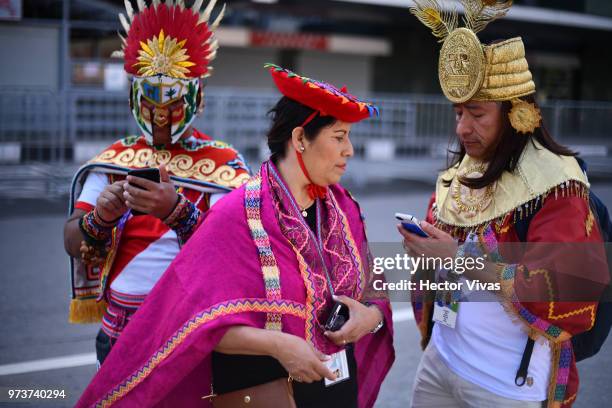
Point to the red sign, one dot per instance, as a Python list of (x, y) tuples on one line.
[(289, 40)]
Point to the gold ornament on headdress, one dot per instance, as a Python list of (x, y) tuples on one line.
[(468, 70), (461, 66), (163, 55), (525, 117)]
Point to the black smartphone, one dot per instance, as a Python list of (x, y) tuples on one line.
[(148, 174), (338, 316)]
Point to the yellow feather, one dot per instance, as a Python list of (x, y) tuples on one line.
[(146, 49), (161, 41), (479, 13), (429, 13), (144, 56), (433, 15)]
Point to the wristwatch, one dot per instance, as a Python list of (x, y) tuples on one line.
[(379, 326), (382, 321)]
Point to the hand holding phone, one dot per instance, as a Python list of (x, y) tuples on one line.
[(337, 318), (411, 224), (150, 174)]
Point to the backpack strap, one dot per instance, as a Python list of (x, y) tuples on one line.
[(522, 227), (521, 373)]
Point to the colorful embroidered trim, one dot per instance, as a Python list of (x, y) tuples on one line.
[(570, 188), (563, 364), (95, 229), (269, 268), (110, 256), (350, 242), (306, 273), (183, 219), (562, 357), (115, 319), (232, 307), (508, 272)]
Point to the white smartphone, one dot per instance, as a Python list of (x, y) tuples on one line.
[(411, 224)]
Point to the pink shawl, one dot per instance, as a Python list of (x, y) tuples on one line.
[(217, 281)]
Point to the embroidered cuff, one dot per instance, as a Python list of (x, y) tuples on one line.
[(95, 229), (183, 219)]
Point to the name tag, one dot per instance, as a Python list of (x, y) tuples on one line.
[(339, 366), (446, 313)]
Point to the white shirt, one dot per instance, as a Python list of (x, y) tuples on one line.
[(486, 348)]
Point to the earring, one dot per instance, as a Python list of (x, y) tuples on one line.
[(301, 148)]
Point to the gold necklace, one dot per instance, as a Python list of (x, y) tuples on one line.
[(469, 201)]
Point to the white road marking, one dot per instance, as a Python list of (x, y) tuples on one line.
[(76, 360)]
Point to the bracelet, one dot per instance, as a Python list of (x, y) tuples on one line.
[(378, 327), (179, 210), (183, 219), (382, 321), (100, 221), (95, 229)]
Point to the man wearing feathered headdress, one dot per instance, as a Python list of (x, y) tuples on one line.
[(125, 230), (508, 344)]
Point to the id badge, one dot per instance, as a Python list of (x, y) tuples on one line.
[(339, 366), (446, 313)]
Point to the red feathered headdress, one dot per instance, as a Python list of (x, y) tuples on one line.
[(325, 99), (169, 39)]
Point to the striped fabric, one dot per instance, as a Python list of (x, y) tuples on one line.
[(126, 300), (121, 307), (269, 268)]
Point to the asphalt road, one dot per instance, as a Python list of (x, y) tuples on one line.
[(34, 292)]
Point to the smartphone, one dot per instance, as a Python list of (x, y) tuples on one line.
[(338, 316), (150, 174), (411, 224)]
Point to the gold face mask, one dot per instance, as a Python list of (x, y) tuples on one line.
[(469, 70)]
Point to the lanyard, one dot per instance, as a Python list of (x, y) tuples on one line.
[(317, 239)]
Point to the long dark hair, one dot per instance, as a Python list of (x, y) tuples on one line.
[(286, 115), (508, 151)]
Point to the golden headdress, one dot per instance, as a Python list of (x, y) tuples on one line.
[(469, 70)]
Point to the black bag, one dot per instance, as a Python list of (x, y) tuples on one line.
[(588, 343)]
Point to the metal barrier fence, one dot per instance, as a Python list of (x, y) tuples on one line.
[(58, 131)]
